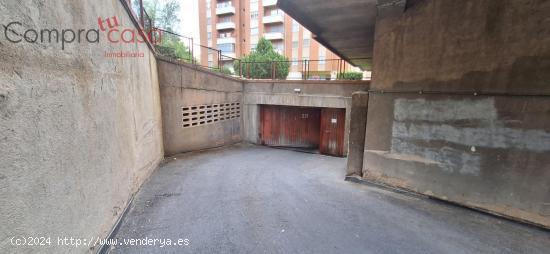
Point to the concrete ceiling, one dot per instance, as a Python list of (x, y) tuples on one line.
[(346, 27)]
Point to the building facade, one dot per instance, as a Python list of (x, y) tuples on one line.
[(235, 26)]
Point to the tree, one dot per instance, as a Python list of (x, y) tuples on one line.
[(173, 47), (164, 15), (168, 16), (262, 62)]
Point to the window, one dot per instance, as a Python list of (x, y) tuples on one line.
[(227, 47), (306, 43), (225, 35), (321, 60), (295, 44), (322, 55), (253, 4), (254, 39), (279, 46), (225, 19), (254, 31), (276, 29), (294, 61), (209, 35), (224, 4), (254, 15), (277, 12), (295, 26), (305, 52), (253, 42), (209, 21), (253, 23)]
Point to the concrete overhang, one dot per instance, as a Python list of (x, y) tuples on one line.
[(346, 27)]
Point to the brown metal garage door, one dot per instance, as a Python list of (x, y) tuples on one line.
[(333, 122), (290, 126), (302, 127)]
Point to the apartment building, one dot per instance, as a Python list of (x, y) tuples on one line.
[(235, 26)]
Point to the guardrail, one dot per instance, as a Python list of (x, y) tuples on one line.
[(141, 15), (183, 48)]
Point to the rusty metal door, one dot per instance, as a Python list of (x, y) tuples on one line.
[(333, 123), (290, 126)]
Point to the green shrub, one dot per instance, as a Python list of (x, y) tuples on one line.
[(350, 76), (260, 63), (224, 70), (172, 47)]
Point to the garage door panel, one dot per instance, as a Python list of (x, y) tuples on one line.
[(332, 131), (290, 126)]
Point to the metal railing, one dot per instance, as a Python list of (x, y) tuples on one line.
[(175, 46), (319, 69), (183, 48), (141, 15)]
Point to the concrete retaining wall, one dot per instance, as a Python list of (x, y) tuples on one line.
[(330, 94), (489, 152), (184, 85), (357, 130), (79, 132)]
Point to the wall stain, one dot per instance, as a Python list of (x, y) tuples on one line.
[(527, 74), (494, 18)]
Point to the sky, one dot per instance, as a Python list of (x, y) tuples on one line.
[(189, 16)]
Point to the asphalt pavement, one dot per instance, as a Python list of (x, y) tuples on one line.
[(253, 199)]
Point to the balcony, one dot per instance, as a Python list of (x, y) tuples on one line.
[(225, 25), (267, 3), (226, 40), (274, 36), (225, 9), (228, 56), (272, 19)]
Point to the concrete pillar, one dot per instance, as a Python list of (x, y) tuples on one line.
[(358, 125)]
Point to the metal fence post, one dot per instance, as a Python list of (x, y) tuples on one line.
[(272, 70), (304, 69), (240, 68), (275, 71), (191, 51), (339, 69), (307, 71), (219, 59), (141, 14)]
